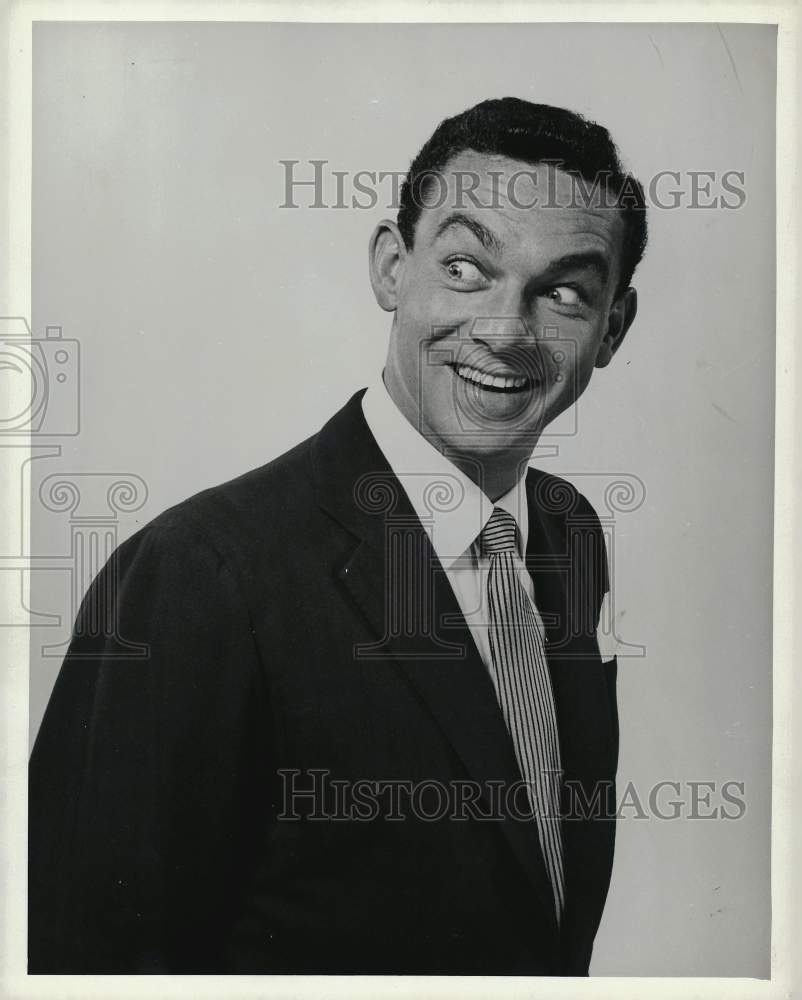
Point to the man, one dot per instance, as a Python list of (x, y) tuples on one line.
[(373, 732)]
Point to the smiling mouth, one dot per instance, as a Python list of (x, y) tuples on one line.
[(492, 383)]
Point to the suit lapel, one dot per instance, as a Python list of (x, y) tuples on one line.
[(581, 700), (393, 575), (580, 693)]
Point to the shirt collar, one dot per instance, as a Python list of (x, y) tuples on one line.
[(450, 506)]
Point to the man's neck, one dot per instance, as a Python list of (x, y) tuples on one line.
[(495, 480)]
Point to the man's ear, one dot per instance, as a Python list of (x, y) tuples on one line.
[(622, 313), (387, 253)]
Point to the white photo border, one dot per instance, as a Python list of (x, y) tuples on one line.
[(16, 21)]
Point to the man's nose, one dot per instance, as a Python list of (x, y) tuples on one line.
[(502, 331), (504, 322), (507, 330)]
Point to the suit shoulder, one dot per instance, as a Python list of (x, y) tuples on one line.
[(264, 492), (250, 506), (559, 498), (570, 513)]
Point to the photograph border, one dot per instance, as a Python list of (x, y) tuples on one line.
[(16, 22)]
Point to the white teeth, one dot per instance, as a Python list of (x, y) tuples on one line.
[(496, 381)]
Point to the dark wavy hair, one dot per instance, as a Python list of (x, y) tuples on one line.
[(531, 133)]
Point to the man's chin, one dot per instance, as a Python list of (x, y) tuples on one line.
[(494, 426), (489, 444)]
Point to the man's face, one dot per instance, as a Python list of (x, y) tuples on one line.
[(502, 312)]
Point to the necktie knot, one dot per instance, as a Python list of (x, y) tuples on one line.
[(500, 534)]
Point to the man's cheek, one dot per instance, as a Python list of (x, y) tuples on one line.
[(434, 325)]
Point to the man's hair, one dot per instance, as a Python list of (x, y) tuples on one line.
[(531, 133)]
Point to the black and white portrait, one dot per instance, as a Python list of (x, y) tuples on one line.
[(397, 469)]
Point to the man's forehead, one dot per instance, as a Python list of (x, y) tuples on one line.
[(510, 198)]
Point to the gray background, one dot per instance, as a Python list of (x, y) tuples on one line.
[(216, 330)]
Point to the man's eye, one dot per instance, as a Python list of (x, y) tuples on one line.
[(564, 295), (463, 270)]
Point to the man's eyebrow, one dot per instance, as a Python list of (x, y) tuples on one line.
[(593, 260), (486, 237)]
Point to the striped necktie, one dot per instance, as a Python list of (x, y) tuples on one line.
[(523, 688)]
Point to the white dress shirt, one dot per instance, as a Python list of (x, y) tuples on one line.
[(451, 508)]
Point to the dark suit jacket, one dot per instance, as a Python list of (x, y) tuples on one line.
[(156, 783)]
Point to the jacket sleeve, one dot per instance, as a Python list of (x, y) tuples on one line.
[(142, 765)]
